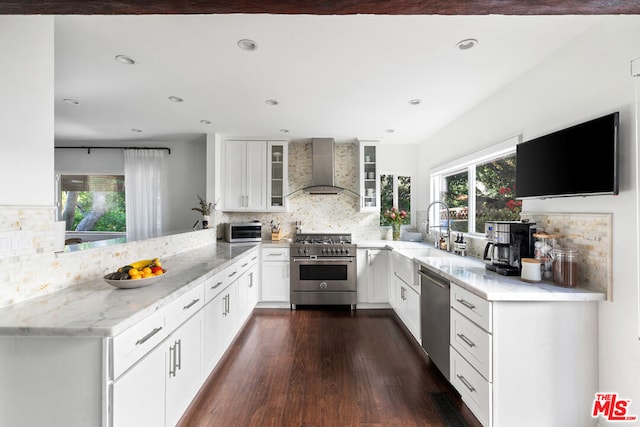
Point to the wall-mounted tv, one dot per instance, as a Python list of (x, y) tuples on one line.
[(581, 160)]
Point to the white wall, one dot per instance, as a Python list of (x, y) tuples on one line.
[(184, 178), (26, 110), (585, 79)]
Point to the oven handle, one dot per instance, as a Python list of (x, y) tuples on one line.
[(317, 260)]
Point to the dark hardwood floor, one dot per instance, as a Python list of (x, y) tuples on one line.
[(322, 367)]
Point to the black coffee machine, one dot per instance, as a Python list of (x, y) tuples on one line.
[(507, 243)]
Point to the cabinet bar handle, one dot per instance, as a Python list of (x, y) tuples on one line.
[(149, 335), (244, 265), (191, 304), (172, 361), (464, 381), (254, 258), (466, 303), (466, 340), (178, 357), (233, 274), (216, 285)]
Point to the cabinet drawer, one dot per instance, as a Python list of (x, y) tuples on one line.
[(476, 309), (472, 342), (475, 391), (185, 306), (137, 341), (246, 263), (215, 284), (275, 254)]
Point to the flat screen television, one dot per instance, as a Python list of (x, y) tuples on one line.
[(581, 160)]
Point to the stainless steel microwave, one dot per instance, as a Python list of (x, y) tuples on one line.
[(243, 232)]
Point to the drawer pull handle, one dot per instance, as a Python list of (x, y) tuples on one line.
[(276, 254), (464, 381), (149, 335), (254, 258), (233, 274), (244, 265), (191, 304), (216, 285), (466, 340), (466, 303)]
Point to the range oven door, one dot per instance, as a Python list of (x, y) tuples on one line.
[(332, 274)]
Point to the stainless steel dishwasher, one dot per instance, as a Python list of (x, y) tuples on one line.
[(434, 320)]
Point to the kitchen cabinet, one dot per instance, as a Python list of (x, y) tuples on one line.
[(245, 172), (275, 274), (406, 290), (277, 175), (509, 359), (369, 176), (248, 292), (373, 276)]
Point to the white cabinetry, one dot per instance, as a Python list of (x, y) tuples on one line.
[(245, 172), (511, 358), (277, 175), (373, 276), (369, 176), (406, 289), (275, 274), (255, 175)]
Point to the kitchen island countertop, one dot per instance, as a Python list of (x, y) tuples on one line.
[(96, 308)]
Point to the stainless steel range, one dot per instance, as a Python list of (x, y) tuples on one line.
[(323, 270)]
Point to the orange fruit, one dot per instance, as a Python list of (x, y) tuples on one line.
[(146, 271)]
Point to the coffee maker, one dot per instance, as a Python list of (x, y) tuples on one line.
[(507, 243)]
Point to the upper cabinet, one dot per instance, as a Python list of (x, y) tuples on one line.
[(255, 175), (369, 176), (277, 175)]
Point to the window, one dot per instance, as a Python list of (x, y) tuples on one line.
[(92, 202), (478, 189), (395, 191)]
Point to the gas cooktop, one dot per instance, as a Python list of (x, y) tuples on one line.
[(322, 239)]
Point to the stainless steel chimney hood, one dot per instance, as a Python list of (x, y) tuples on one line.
[(323, 167)]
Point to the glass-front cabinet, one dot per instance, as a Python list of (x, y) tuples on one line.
[(369, 176), (277, 175)]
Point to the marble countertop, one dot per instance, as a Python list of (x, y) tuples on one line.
[(96, 308)]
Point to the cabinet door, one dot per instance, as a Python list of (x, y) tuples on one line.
[(183, 370), (369, 177), (234, 175), (139, 395), (363, 275), (378, 275), (214, 317), (277, 175), (413, 312), (256, 174), (275, 281)]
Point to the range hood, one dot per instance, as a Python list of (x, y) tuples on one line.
[(323, 167)]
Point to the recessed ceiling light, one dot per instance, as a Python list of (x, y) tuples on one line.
[(466, 44), (175, 99), (389, 130), (125, 59), (136, 130), (205, 122), (271, 102), (71, 101), (415, 101), (246, 44)]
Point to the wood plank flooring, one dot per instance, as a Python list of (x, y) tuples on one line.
[(322, 366)]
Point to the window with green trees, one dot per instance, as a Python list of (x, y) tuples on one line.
[(395, 191), (93, 202), (477, 191)]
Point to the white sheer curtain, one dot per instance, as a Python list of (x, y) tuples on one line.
[(142, 177)]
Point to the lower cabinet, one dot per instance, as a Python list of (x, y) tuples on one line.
[(404, 293), (275, 274), (373, 276), (524, 363)]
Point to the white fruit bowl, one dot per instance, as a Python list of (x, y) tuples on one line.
[(132, 284)]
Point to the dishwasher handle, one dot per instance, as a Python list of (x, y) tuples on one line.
[(433, 279)]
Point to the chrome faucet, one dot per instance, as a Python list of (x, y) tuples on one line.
[(437, 202)]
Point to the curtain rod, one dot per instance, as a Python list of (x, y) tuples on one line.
[(118, 148)]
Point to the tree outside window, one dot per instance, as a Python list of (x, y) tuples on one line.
[(93, 202), (495, 191)]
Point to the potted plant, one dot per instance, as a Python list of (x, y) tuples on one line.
[(205, 209)]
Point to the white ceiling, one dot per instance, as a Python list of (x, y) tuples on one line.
[(333, 76)]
